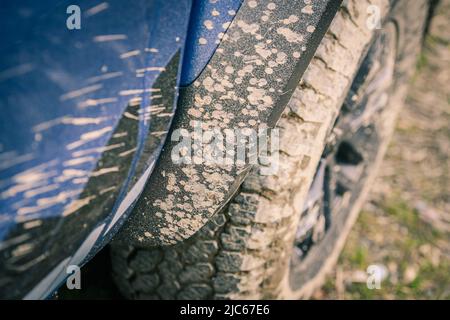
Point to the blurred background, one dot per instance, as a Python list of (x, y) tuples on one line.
[(405, 226)]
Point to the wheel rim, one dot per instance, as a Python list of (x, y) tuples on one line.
[(350, 151)]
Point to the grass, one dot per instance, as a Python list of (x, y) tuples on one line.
[(407, 249)]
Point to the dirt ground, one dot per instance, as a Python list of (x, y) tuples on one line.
[(405, 227)]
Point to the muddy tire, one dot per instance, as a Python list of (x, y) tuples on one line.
[(250, 250)]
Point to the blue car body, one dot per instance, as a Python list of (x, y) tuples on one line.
[(85, 111)]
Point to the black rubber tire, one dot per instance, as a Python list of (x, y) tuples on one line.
[(245, 251)]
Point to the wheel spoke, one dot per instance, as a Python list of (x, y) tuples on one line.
[(350, 148)]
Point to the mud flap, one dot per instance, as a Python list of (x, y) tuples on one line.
[(245, 86)]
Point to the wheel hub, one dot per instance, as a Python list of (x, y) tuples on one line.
[(351, 147)]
